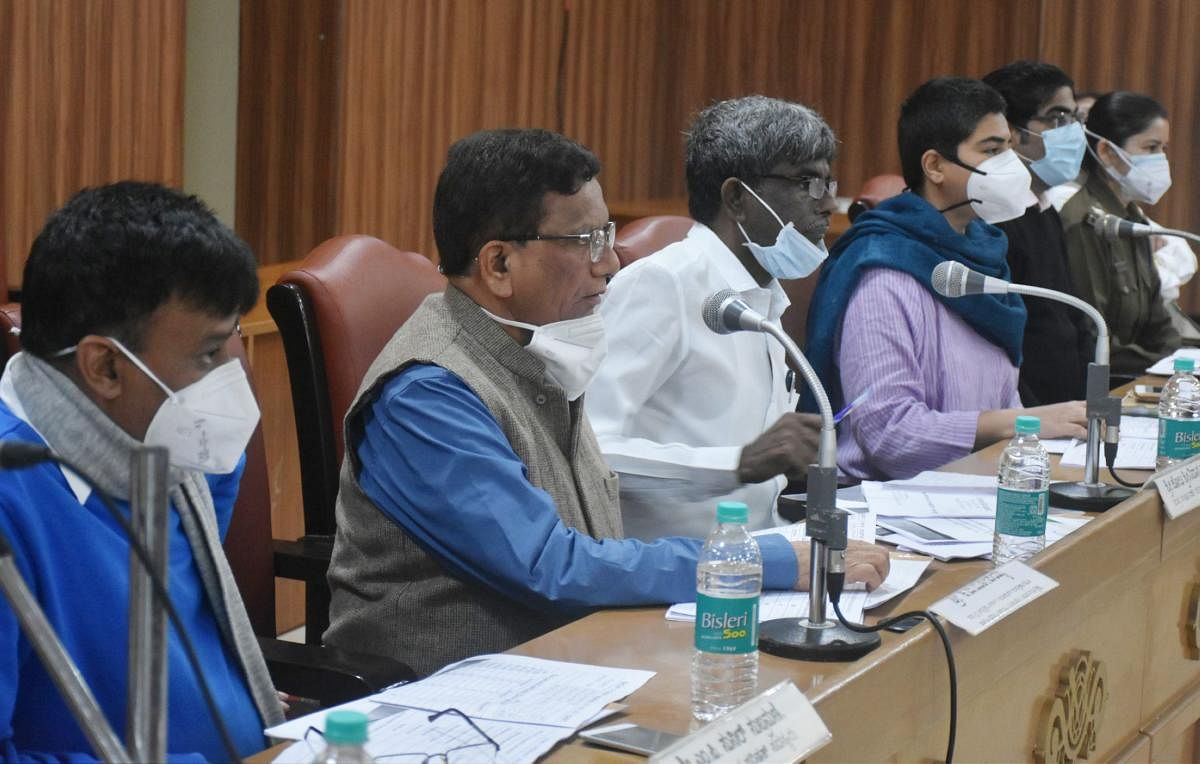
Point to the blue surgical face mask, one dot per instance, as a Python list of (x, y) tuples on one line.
[(792, 256), (1064, 154)]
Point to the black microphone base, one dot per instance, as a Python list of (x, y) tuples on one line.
[(831, 643), (1088, 498)]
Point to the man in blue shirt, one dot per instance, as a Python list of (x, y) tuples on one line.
[(131, 293), (475, 509)]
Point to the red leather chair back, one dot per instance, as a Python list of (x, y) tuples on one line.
[(644, 236), (335, 313), (874, 191)]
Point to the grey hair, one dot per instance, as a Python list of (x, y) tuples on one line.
[(745, 138)]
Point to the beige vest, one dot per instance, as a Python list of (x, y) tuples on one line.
[(390, 597)]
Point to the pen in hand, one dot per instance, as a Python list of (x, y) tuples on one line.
[(838, 417)]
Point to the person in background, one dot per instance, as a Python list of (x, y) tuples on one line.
[(1059, 340), (943, 371), (131, 294), (1126, 166), (1084, 100), (760, 187), (475, 510)]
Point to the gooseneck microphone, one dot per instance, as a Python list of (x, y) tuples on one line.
[(953, 279), (815, 638), (725, 312), (1112, 227)]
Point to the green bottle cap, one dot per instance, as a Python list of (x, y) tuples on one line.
[(1027, 424), (1185, 364), (732, 512), (346, 728)]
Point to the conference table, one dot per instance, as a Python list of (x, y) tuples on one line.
[(1105, 665)]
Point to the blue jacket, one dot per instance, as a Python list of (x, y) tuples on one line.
[(75, 560)]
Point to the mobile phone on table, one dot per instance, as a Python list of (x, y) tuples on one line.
[(1147, 392), (627, 736)]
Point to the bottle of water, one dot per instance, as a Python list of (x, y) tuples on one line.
[(1179, 416), (728, 582), (1023, 496), (345, 739)]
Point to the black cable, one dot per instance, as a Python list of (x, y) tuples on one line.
[(1110, 455), (46, 454), (1117, 478), (836, 595)]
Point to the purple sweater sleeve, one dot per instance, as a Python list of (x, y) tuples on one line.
[(893, 340)]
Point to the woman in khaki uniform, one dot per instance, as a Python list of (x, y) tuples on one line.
[(1126, 165)]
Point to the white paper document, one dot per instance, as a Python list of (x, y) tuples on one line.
[(992, 596), (902, 576), (859, 525), (517, 688), (526, 705), (1132, 453), (894, 500), (964, 539), (394, 732), (1058, 445), (777, 604), (1166, 366)]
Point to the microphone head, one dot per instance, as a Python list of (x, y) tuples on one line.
[(714, 308), (949, 278), (1104, 224)]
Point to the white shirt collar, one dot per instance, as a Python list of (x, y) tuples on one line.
[(770, 300), (8, 395)]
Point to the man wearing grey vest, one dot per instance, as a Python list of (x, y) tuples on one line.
[(476, 511)]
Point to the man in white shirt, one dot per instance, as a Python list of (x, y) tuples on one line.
[(686, 416)]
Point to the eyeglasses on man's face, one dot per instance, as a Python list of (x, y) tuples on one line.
[(1059, 118), (599, 240), (816, 187)]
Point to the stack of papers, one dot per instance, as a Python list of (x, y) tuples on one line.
[(1166, 366), (527, 705), (1136, 450), (903, 576), (947, 515)]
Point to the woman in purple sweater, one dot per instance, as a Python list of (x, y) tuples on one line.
[(941, 372)]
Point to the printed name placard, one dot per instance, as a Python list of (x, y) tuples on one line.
[(1179, 487), (993, 596), (779, 725)]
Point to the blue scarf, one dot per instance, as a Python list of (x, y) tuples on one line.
[(906, 233)]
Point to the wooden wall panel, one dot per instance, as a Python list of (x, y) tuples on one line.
[(416, 76), (638, 71), (92, 92), (287, 125), (1147, 46)]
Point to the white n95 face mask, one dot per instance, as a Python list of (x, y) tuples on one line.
[(999, 189), (572, 350), (792, 256), (1148, 178), (206, 425)]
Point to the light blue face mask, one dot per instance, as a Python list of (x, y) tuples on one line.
[(1064, 154), (792, 256)]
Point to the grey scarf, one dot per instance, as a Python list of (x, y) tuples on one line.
[(79, 431)]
